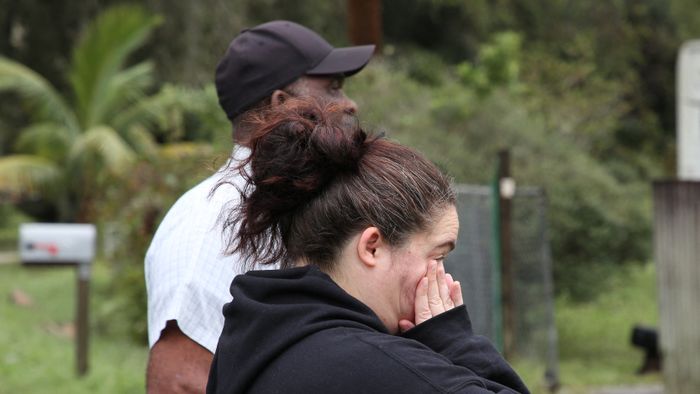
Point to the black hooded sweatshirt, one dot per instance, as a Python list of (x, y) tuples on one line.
[(296, 331)]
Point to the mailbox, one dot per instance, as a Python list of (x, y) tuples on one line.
[(50, 243), (57, 244)]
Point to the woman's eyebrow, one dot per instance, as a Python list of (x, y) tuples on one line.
[(450, 245)]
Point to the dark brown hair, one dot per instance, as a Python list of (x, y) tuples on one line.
[(314, 178)]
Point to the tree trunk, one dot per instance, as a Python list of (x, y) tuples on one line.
[(365, 22)]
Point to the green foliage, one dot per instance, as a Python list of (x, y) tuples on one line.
[(687, 22), (594, 348), (25, 176), (46, 103), (129, 215), (96, 141), (498, 64), (632, 44), (115, 154), (595, 217), (45, 140), (419, 65), (10, 219), (96, 75), (582, 92), (176, 113)]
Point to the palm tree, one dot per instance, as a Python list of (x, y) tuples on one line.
[(75, 144)]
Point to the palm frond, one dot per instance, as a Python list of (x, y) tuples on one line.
[(38, 92), (213, 119), (125, 88), (142, 141), (185, 150), (7, 134), (100, 54), (28, 177), (158, 111), (47, 140), (101, 148)]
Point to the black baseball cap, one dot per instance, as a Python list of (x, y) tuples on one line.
[(273, 55)]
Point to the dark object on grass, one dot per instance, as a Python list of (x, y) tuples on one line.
[(647, 339)]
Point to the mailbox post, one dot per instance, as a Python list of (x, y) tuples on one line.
[(51, 244)]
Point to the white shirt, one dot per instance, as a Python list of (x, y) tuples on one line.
[(187, 274)]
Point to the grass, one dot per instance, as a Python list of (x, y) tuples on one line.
[(594, 337), (594, 348), (37, 357)]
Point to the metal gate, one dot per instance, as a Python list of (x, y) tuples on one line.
[(474, 263)]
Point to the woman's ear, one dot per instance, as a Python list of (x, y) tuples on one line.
[(371, 247), (278, 97)]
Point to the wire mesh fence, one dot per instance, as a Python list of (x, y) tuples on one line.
[(474, 263)]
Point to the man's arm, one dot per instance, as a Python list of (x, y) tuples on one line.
[(177, 364)]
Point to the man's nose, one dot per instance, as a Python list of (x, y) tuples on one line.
[(349, 106)]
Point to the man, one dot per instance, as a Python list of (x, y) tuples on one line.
[(187, 273)]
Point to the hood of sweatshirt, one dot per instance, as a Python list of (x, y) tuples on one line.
[(273, 310)]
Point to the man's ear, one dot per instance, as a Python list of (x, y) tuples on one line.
[(278, 97), (371, 247)]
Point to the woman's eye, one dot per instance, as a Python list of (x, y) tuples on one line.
[(440, 258)]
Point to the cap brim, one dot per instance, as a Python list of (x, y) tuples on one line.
[(345, 61)]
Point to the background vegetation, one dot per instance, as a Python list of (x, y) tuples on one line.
[(107, 114)]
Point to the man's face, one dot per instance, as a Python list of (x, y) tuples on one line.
[(328, 89)]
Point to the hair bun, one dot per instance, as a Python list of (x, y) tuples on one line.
[(314, 178), (338, 140), (298, 148)]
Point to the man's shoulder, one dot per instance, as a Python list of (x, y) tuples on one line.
[(195, 219), (217, 186)]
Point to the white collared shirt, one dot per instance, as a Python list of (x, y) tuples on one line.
[(187, 274)]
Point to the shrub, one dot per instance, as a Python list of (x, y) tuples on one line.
[(595, 218)]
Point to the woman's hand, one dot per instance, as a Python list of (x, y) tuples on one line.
[(437, 292)]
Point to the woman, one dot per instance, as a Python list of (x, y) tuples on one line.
[(361, 226)]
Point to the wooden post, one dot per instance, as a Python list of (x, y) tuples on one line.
[(365, 22), (81, 318), (677, 257), (506, 190)]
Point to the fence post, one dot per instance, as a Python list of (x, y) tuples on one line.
[(506, 190), (677, 257), (82, 328)]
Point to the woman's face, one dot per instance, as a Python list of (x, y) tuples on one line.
[(410, 261)]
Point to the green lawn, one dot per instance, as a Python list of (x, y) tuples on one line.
[(35, 358), (593, 338)]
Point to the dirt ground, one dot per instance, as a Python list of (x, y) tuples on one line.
[(655, 389)]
